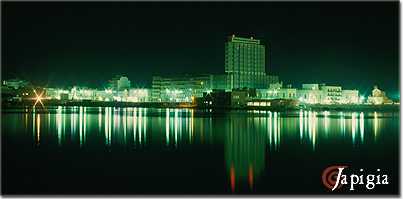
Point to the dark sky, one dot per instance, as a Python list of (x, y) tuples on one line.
[(355, 45)]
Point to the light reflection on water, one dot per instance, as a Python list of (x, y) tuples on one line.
[(248, 137)]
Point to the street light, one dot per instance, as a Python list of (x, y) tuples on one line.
[(38, 98)]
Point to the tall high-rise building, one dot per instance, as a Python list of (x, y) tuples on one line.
[(245, 63), (245, 67)]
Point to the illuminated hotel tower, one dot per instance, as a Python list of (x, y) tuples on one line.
[(245, 63)]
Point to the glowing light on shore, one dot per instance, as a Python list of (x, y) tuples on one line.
[(38, 98)]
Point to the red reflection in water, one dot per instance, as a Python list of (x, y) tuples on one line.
[(250, 176), (232, 175)]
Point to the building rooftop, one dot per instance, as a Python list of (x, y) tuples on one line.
[(250, 40)]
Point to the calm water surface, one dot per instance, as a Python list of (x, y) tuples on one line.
[(83, 150)]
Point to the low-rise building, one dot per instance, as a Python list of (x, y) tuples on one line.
[(350, 97), (276, 91), (56, 93), (216, 98), (83, 93), (139, 95), (378, 97), (15, 83), (331, 94), (324, 94), (180, 88), (287, 93), (310, 94), (239, 98)]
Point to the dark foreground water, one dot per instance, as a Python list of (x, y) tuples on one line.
[(79, 150)]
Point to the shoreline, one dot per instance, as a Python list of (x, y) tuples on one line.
[(311, 107)]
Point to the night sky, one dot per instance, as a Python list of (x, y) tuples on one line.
[(355, 45)]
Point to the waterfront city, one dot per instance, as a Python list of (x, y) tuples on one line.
[(200, 99), (245, 83)]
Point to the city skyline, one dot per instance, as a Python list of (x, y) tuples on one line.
[(200, 98), (81, 46)]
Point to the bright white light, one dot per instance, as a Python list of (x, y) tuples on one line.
[(38, 98)]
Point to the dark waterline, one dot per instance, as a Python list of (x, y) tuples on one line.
[(87, 150)]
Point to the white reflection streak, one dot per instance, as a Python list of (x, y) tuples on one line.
[(305, 121), (134, 125), (301, 124), (124, 124), (376, 125), (167, 126), (191, 123), (180, 124), (38, 129), (106, 125), (116, 124), (326, 121), (145, 125), (353, 125), (187, 123), (71, 123), (310, 126), (49, 122), (26, 119), (270, 128), (59, 125), (33, 125), (275, 129), (110, 126), (75, 122), (85, 125), (176, 127), (342, 123), (140, 123), (64, 121), (278, 130), (314, 130), (362, 126), (81, 125), (99, 119)]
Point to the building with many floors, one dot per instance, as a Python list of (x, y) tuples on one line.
[(325, 94), (245, 63), (82, 93), (180, 88), (244, 67)]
